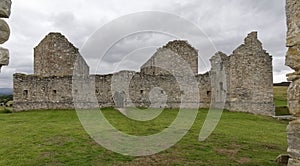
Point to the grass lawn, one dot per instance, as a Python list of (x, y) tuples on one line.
[(57, 138), (280, 95), (280, 100)]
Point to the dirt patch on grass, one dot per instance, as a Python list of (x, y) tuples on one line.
[(228, 152), (58, 140), (47, 154), (243, 160), (231, 152), (48, 158), (157, 159)]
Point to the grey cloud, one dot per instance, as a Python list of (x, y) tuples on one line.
[(225, 22)]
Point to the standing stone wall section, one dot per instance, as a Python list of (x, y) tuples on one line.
[(56, 56), (167, 76), (166, 62), (251, 78), (5, 9), (219, 78), (293, 61), (33, 92), (243, 81)]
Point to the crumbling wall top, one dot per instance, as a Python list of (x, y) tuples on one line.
[(251, 45)]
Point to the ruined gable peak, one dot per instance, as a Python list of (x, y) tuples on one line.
[(175, 45), (56, 38), (251, 45), (252, 39)]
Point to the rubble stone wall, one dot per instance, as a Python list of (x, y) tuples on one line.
[(56, 56), (293, 61), (169, 79), (251, 78)]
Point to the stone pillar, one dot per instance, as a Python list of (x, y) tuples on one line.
[(5, 6), (293, 61)]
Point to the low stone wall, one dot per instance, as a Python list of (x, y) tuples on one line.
[(33, 92)]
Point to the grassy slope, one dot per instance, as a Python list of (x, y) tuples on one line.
[(280, 95), (57, 138), (280, 100)]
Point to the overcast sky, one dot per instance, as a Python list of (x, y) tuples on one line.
[(224, 22)]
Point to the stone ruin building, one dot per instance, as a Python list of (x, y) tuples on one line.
[(244, 85), (5, 6), (293, 61)]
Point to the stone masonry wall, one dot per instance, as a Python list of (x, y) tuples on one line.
[(293, 61), (55, 59), (56, 56), (243, 81), (167, 60), (245, 78), (251, 78), (137, 88), (35, 92), (219, 77), (205, 90), (5, 6)]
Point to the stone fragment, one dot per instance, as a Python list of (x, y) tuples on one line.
[(293, 76), (293, 136), (4, 31), (293, 57), (5, 6), (4, 56), (293, 61), (283, 159), (294, 98), (293, 22), (294, 162)]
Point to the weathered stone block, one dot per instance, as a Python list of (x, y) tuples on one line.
[(4, 56), (5, 6), (4, 31), (294, 162), (293, 22), (293, 76), (293, 134), (293, 57), (294, 97)]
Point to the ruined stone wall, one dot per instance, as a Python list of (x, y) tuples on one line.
[(56, 56), (241, 82), (251, 78), (293, 61), (205, 89), (164, 87), (5, 6), (140, 90), (103, 90), (35, 92), (219, 77), (168, 60)]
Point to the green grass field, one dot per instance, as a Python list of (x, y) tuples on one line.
[(280, 100), (57, 138), (280, 94)]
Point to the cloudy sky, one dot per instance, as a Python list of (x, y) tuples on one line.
[(214, 24)]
